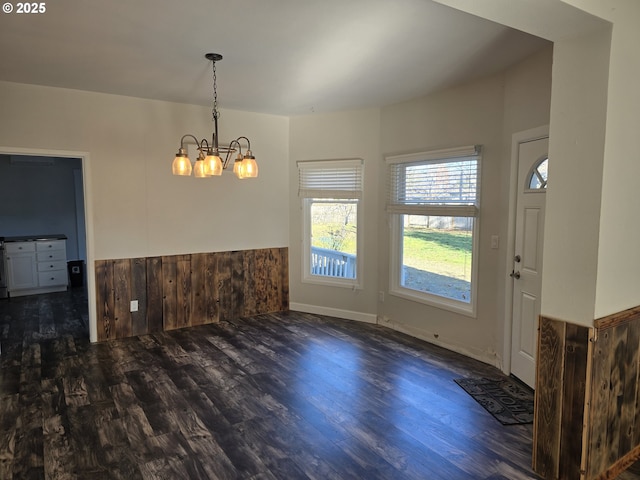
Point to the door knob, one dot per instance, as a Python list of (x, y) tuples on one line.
[(516, 259), (515, 275)]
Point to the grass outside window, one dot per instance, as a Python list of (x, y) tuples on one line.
[(437, 256)]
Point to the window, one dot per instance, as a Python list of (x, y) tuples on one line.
[(331, 193), (537, 179), (433, 203)]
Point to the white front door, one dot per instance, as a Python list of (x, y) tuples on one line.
[(527, 262)]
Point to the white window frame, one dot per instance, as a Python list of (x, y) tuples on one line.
[(397, 211), (345, 188)]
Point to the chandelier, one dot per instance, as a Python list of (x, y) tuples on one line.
[(209, 162)]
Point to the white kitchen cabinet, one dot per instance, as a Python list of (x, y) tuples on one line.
[(36, 266), (22, 269)]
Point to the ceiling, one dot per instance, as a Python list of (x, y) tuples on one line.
[(284, 57)]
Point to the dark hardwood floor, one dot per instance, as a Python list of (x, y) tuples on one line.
[(280, 396)]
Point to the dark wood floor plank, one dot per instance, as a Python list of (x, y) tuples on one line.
[(276, 396)]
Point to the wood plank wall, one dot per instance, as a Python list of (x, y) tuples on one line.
[(614, 434), (587, 417), (560, 390), (185, 290)]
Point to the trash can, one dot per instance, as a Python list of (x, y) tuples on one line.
[(76, 273)]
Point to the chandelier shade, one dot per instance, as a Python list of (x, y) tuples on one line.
[(181, 165), (210, 162), (249, 167)]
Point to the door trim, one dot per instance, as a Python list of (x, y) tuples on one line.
[(88, 218), (516, 139)]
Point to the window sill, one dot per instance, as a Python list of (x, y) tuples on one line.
[(352, 284), (466, 309)]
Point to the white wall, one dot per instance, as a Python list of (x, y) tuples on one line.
[(618, 284), (353, 134), (134, 206), (469, 114), (593, 129), (526, 106), (576, 142), (485, 112), (591, 238), (138, 208), (592, 268)]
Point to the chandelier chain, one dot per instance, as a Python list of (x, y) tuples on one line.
[(215, 114)]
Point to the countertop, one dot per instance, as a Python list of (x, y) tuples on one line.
[(33, 238)]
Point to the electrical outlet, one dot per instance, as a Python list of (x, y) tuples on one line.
[(134, 306), (381, 296)]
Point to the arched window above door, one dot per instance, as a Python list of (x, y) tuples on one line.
[(537, 179)]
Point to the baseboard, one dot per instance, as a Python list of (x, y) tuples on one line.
[(334, 312), (490, 358)]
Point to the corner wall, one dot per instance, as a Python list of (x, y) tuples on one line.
[(477, 112), (354, 134), (484, 112), (576, 150), (139, 208), (134, 206)]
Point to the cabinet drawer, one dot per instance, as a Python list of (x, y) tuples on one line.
[(52, 256), (49, 279), (51, 266), (45, 245), (20, 247)]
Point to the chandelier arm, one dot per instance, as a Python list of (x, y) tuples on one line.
[(229, 151), (226, 160), (248, 143), (191, 136)]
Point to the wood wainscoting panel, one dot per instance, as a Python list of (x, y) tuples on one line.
[(574, 389), (139, 323), (105, 300), (238, 266), (630, 414), (169, 293), (560, 397), (614, 443), (177, 291), (223, 285), (601, 387), (122, 293), (587, 414), (154, 303), (203, 300), (184, 303), (548, 398)]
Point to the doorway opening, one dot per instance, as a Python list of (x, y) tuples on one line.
[(43, 196)]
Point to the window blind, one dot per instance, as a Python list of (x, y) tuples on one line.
[(440, 183), (330, 178)]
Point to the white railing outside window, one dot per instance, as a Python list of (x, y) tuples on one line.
[(331, 263)]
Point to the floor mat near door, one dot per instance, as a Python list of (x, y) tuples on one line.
[(507, 399)]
